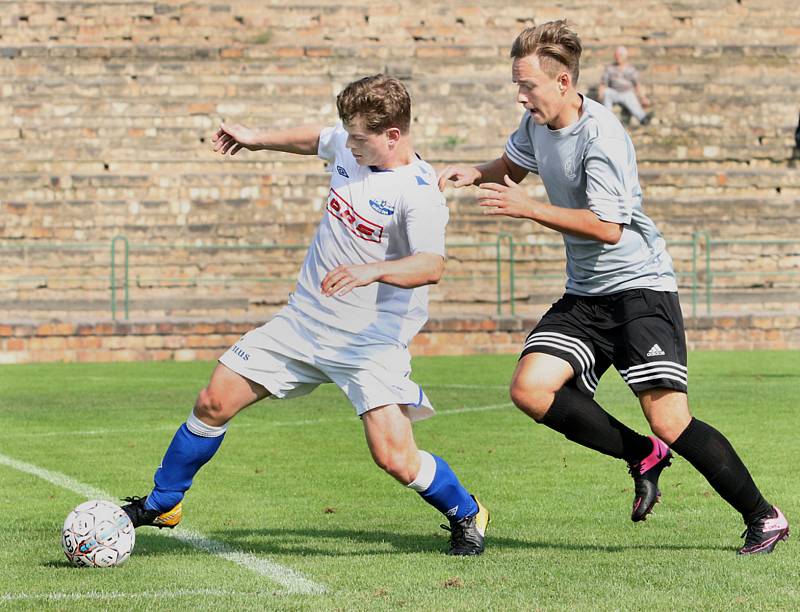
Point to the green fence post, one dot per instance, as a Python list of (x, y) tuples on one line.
[(114, 277), (500, 237), (499, 278), (695, 236), (513, 298), (708, 272), (113, 280)]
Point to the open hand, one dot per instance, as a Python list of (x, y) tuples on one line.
[(509, 199), (233, 138)]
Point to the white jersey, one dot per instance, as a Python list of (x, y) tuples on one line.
[(371, 215)]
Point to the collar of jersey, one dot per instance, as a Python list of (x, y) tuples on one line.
[(412, 164)]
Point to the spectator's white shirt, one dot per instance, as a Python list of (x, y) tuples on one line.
[(371, 215)]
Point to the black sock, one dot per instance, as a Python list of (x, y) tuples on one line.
[(713, 456), (583, 420)]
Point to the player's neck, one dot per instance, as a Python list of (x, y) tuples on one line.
[(402, 155), (571, 113)]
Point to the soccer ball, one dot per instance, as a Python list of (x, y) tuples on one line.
[(97, 534)]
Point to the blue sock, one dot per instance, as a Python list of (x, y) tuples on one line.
[(192, 446), (439, 486)]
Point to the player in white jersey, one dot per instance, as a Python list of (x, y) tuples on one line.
[(621, 304), (360, 298)]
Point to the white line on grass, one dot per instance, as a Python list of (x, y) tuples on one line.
[(475, 408), (292, 581), (139, 430), (438, 413), (457, 386), (87, 432)]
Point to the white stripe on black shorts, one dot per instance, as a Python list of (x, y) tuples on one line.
[(639, 331)]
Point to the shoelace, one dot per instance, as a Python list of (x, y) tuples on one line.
[(458, 532), (752, 534), (132, 499), (455, 529)]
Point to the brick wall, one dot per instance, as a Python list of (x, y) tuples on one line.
[(108, 108), (184, 341)]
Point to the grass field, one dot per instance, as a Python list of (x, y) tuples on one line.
[(292, 515)]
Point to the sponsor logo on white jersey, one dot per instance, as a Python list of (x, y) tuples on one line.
[(358, 225), (342, 171)]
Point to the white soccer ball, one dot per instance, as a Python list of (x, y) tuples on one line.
[(98, 534)]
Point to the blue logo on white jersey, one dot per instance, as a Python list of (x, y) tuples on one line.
[(382, 206), (342, 171), (421, 181)]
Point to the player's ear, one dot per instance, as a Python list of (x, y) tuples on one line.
[(392, 136), (564, 82)]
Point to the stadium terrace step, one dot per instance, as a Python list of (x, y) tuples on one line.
[(109, 108)]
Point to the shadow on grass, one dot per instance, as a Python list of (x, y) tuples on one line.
[(60, 564), (352, 542)]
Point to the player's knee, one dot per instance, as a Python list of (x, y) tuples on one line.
[(667, 428), (396, 465), (210, 408), (533, 400)]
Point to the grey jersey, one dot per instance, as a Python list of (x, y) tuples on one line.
[(592, 164)]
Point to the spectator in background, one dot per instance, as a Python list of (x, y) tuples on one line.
[(620, 85)]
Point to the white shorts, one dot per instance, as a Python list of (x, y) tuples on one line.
[(292, 354)]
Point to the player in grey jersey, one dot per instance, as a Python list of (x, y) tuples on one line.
[(621, 304)]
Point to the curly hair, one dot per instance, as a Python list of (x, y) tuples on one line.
[(382, 102)]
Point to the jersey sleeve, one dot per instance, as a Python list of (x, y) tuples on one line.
[(519, 147), (612, 188), (426, 216), (331, 140)]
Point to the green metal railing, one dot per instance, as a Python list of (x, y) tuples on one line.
[(693, 275), (125, 284), (501, 237), (699, 278)]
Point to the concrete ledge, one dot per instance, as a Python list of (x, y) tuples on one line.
[(186, 340)]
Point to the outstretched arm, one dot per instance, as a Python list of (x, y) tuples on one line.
[(406, 272), (490, 172), (231, 138)]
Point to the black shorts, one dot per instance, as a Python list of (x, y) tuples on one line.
[(639, 331)]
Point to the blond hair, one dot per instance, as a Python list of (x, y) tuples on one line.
[(382, 101), (557, 47)]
